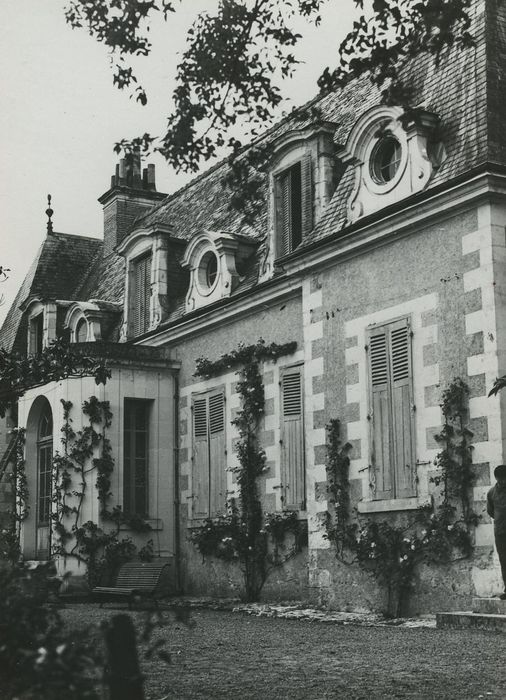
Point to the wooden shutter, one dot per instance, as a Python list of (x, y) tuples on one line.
[(142, 294), (381, 419), (292, 439), (402, 413), (283, 196), (200, 458), (217, 454), (306, 196), (392, 454)]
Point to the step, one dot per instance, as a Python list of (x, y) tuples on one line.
[(471, 620), (489, 606)]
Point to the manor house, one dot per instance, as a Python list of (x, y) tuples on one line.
[(378, 248)]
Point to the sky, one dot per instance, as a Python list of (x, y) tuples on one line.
[(60, 116)]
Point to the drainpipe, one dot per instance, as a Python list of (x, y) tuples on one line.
[(177, 496)]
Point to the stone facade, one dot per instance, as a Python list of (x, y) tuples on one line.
[(369, 239)]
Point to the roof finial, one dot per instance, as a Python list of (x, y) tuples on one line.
[(49, 213)]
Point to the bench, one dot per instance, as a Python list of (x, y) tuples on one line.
[(134, 579)]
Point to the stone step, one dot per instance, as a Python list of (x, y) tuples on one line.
[(471, 620), (489, 606)]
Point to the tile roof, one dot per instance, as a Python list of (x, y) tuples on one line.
[(59, 270)]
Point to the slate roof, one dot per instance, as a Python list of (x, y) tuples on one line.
[(467, 89), (60, 269)]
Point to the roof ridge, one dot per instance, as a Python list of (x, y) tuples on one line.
[(76, 235)]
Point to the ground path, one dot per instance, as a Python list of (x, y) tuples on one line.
[(225, 655)]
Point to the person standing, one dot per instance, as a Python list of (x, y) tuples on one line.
[(496, 508)]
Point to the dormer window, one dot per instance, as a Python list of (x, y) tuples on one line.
[(36, 334), (41, 318), (147, 294), (301, 182), (88, 321), (213, 259), (390, 156), (288, 187)]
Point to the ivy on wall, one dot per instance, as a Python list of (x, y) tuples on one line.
[(247, 535), (391, 553), (10, 534)]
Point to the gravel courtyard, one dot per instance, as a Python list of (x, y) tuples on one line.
[(225, 654)]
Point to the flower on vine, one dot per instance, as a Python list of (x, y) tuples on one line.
[(450, 528), (42, 655)]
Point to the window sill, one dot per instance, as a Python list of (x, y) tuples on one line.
[(394, 504), (154, 523)]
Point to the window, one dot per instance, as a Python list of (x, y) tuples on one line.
[(44, 475), (135, 461), (392, 417), (81, 332), (141, 297), (385, 159), (209, 477), (294, 207), (293, 486), (37, 334), (207, 272)]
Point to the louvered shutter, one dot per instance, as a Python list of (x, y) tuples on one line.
[(283, 195), (142, 294), (402, 414), (306, 196), (391, 412), (381, 419), (200, 459), (292, 439), (217, 455)]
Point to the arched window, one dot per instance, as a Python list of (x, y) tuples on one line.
[(81, 332), (44, 462)]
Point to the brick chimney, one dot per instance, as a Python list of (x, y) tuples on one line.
[(131, 194)]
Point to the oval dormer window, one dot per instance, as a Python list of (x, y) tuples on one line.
[(208, 271), (385, 159)]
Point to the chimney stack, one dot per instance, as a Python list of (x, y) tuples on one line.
[(132, 193)]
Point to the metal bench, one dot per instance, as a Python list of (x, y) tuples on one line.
[(138, 579)]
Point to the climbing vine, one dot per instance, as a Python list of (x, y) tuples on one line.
[(10, 535), (256, 540), (102, 551), (57, 361), (391, 553)]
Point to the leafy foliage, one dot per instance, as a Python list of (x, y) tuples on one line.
[(238, 56), (18, 373), (245, 354), (39, 660)]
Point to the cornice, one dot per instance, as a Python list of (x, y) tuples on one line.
[(224, 312)]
